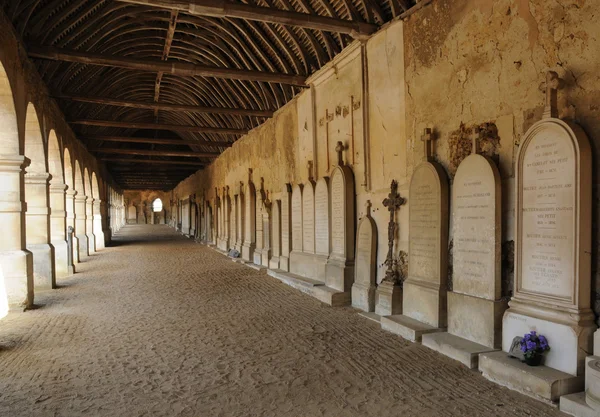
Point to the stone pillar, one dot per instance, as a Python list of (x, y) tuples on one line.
[(266, 226), (37, 228), (58, 229), (70, 209), (105, 213), (15, 261), (80, 226), (89, 224), (97, 225)]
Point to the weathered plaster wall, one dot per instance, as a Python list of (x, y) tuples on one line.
[(450, 66), (484, 61), (301, 131)]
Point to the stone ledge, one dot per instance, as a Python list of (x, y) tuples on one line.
[(314, 288), (407, 327), (540, 382), (371, 316), (457, 348), (575, 405)]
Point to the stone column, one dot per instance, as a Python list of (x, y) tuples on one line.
[(89, 224), (97, 225), (16, 263), (80, 226), (70, 209), (105, 213), (37, 228), (58, 229)]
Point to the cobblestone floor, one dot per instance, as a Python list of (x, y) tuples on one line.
[(161, 326)]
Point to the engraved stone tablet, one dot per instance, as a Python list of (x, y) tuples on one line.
[(322, 224), (308, 218), (297, 218), (477, 228)]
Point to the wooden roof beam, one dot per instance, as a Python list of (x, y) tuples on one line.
[(173, 67), (165, 106), (154, 161), (159, 126), (158, 141), (155, 153), (223, 8)]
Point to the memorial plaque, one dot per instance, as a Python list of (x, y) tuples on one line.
[(477, 228), (322, 217), (366, 251), (547, 214), (285, 222), (276, 227), (308, 218), (338, 213), (249, 214), (259, 220), (425, 225), (297, 218)]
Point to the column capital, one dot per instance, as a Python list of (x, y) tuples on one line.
[(58, 187), (13, 162), (70, 192), (37, 178)]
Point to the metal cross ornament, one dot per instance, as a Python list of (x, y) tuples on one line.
[(339, 148), (393, 203), (553, 83), (475, 135)]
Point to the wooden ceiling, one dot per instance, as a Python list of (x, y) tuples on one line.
[(158, 88)]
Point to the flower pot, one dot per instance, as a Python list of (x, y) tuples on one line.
[(534, 360)]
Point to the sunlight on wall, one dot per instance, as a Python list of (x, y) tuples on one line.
[(3, 297)]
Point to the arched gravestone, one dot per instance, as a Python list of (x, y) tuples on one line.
[(322, 226), (260, 206), (340, 264), (303, 262), (552, 292), (296, 221), (241, 216), (424, 292), (185, 219), (234, 220), (475, 307), (308, 218), (266, 231), (365, 269), (286, 228), (552, 286), (275, 235), (249, 222)]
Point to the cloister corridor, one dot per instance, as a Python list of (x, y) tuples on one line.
[(158, 325)]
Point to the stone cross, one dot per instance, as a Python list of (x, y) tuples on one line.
[(393, 203), (249, 175), (475, 135), (241, 187), (426, 138), (339, 148), (309, 165), (368, 208), (553, 83)]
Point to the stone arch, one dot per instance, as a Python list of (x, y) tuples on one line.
[(89, 210), (80, 213), (70, 192), (16, 277), (37, 196), (97, 214), (58, 213)]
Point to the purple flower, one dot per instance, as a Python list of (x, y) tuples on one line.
[(533, 333), (531, 345), (523, 348)]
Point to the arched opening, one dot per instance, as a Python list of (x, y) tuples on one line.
[(58, 216), (37, 196), (89, 211), (16, 279), (97, 215), (80, 214), (158, 214)]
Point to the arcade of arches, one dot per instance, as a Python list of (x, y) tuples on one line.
[(421, 175)]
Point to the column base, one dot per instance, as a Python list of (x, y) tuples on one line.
[(61, 258), (248, 252), (44, 277), (99, 241), (388, 299), (82, 247), (363, 296), (17, 274)]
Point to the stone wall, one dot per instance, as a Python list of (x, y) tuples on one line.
[(451, 66), (484, 62)]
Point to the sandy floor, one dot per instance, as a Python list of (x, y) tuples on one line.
[(162, 326)]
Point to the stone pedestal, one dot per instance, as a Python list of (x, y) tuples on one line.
[(363, 296), (388, 299)]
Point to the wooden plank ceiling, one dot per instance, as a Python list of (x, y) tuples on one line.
[(158, 88)]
